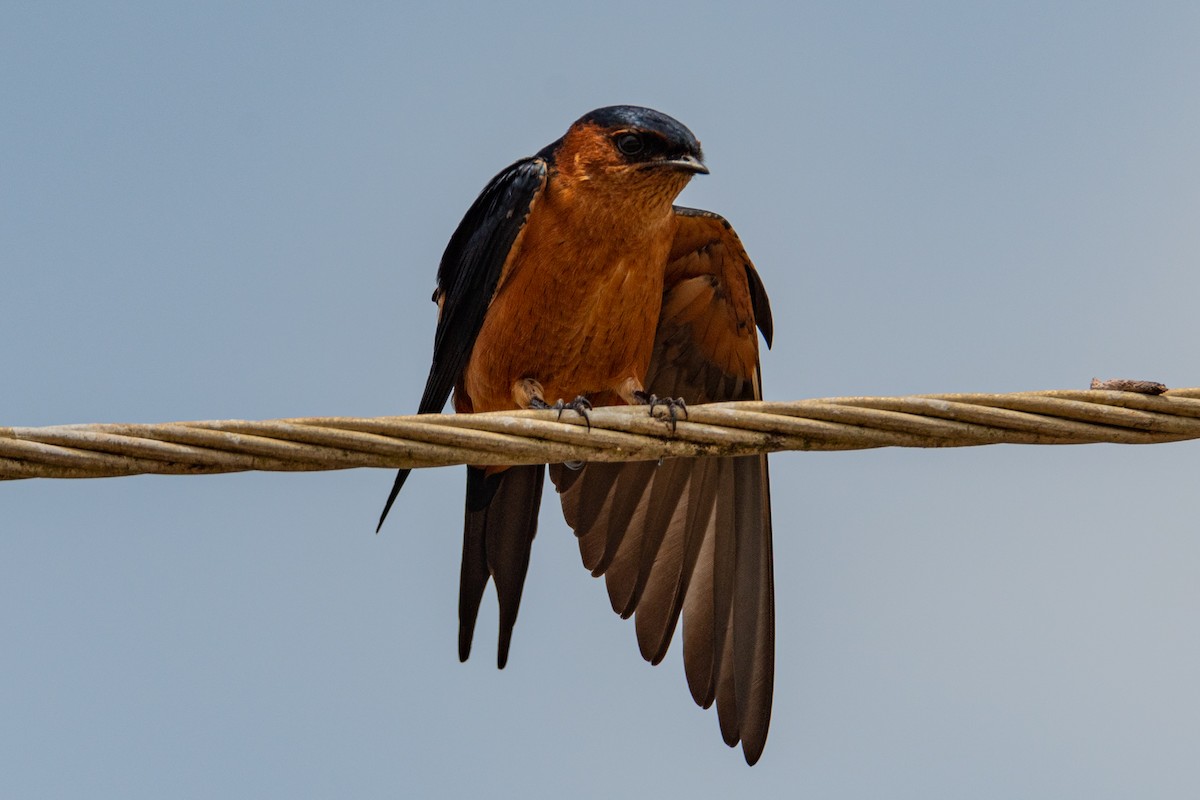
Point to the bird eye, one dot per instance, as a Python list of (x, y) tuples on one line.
[(630, 144)]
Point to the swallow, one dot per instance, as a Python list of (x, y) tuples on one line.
[(574, 279)]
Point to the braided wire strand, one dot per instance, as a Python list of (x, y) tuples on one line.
[(615, 434)]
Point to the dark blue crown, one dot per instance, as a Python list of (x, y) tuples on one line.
[(647, 119)]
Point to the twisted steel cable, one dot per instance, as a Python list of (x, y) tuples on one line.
[(1141, 416)]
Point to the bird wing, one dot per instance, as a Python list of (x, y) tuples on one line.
[(471, 268), (692, 536)]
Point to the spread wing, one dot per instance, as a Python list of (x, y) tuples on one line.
[(471, 267), (692, 537)]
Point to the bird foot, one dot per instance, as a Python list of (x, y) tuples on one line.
[(674, 405), (580, 405)]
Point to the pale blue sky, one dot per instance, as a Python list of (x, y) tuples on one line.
[(233, 210)]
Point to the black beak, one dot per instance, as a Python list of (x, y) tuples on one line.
[(684, 163)]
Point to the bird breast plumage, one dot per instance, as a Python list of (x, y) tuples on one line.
[(573, 304)]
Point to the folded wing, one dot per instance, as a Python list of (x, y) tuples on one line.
[(470, 269)]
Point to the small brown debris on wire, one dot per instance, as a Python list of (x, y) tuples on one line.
[(1126, 385)]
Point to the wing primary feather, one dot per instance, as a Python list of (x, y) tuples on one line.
[(632, 483), (671, 480), (753, 620), (696, 517), (727, 713), (627, 531), (700, 659), (397, 485), (724, 585)]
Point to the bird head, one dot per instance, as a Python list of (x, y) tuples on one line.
[(637, 151)]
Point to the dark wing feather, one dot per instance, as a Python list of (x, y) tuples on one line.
[(693, 536), (471, 267)]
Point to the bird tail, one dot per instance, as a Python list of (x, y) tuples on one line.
[(500, 523)]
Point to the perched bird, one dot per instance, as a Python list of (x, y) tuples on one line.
[(573, 278)]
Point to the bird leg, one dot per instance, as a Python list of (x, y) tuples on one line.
[(673, 405), (580, 405), (633, 393), (528, 393)]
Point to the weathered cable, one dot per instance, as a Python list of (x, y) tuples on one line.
[(616, 434)]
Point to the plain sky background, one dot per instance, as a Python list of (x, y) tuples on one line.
[(236, 210)]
